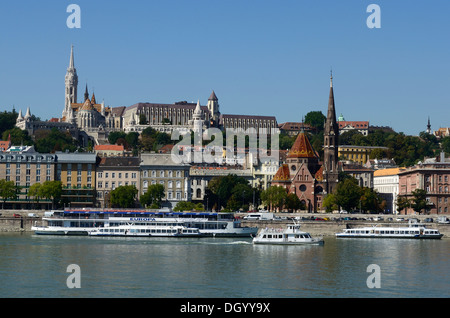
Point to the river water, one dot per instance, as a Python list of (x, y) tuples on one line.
[(34, 266)]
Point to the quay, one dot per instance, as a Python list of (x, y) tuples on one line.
[(323, 224)]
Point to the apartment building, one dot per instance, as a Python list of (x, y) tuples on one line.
[(156, 168), (433, 176), (113, 172), (25, 166), (76, 171)]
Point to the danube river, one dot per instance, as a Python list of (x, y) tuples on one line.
[(37, 266)]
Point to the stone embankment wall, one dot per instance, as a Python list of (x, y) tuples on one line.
[(9, 223), (18, 220)]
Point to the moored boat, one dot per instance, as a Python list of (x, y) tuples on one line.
[(83, 221), (291, 235), (412, 231), (156, 230)]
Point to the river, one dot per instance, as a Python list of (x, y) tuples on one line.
[(34, 266)]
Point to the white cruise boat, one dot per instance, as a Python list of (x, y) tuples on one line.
[(82, 221), (413, 231), (291, 235), (155, 230)]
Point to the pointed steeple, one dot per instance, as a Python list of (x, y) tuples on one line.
[(20, 117), (86, 93), (197, 111), (213, 96), (331, 125), (93, 101), (72, 61), (331, 136)]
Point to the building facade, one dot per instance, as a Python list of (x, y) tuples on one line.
[(357, 154), (25, 167), (113, 172), (76, 171), (156, 168), (386, 184), (433, 176)]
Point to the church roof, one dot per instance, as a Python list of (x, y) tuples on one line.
[(87, 105), (301, 148), (213, 96), (282, 174)]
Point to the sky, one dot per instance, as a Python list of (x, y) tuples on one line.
[(261, 57)]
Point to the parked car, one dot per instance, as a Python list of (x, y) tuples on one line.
[(17, 215), (428, 220)]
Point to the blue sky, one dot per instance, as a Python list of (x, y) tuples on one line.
[(261, 57)]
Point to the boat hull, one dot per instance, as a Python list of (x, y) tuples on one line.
[(257, 242), (416, 237)]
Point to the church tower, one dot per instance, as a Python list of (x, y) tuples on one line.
[(331, 138), (71, 87)]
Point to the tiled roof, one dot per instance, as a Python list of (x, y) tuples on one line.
[(282, 174), (109, 147), (301, 148), (354, 124)]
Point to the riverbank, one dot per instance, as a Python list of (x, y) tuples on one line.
[(335, 223), (327, 224)]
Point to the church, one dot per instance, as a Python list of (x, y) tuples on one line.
[(97, 121), (303, 174)]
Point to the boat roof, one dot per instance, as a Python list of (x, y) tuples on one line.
[(141, 212)]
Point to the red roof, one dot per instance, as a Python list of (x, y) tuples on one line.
[(109, 147)]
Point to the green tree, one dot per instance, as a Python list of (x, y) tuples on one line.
[(188, 206), (35, 191), (50, 141), (293, 203), (51, 190), (419, 201), (18, 137), (445, 143), (402, 203), (153, 196), (370, 201), (330, 203), (274, 197), (7, 121), (132, 139), (113, 136), (316, 119), (7, 190), (230, 191), (348, 194), (124, 196)]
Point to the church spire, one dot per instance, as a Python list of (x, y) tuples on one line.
[(72, 62), (86, 93), (331, 136)]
